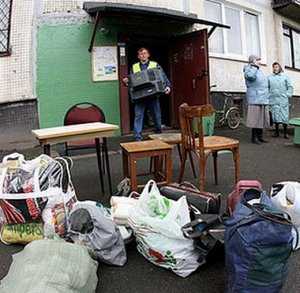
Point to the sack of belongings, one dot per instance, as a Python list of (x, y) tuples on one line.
[(35, 191), (286, 197), (91, 225), (51, 266), (157, 221), (258, 243)]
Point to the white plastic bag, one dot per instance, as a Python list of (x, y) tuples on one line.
[(157, 223), (286, 197), (121, 208)]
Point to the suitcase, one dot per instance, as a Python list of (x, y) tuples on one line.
[(235, 195), (204, 202)]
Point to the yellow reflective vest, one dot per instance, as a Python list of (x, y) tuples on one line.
[(136, 67)]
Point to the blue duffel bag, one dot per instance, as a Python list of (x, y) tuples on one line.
[(258, 243)]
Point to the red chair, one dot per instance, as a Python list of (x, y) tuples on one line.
[(87, 113)]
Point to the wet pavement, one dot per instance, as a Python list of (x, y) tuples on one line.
[(279, 160)]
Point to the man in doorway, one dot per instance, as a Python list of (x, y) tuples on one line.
[(150, 103)]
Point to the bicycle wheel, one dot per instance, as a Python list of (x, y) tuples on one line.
[(233, 118)]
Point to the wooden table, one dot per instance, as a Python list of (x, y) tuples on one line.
[(159, 150), (61, 134)]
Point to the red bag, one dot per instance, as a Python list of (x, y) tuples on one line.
[(235, 195)]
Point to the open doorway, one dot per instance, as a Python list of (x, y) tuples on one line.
[(159, 52)]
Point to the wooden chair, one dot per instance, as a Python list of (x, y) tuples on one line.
[(86, 113), (194, 142)]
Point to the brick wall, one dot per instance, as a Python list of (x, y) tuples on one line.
[(16, 71)]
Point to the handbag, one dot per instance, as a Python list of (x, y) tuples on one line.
[(204, 202), (207, 232)]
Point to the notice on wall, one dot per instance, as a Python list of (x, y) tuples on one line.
[(104, 63)]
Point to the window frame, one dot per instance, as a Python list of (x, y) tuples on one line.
[(290, 36), (7, 52), (242, 10)]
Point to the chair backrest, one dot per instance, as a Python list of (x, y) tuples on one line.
[(84, 113), (191, 124)]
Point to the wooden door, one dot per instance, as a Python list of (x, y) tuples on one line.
[(189, 71)]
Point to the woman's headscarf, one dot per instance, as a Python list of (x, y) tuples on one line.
[(253, 58)]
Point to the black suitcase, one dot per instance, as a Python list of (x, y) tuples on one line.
[(205, 202)]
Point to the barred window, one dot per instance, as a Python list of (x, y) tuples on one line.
[(5, 21)]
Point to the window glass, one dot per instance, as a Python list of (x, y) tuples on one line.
[(213, 12), (287, 51), (234, 37), (252, 34), (296, 43)]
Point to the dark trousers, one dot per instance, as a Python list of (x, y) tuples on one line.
[(139, 111)]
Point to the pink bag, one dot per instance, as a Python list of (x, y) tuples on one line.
[(235, 195)]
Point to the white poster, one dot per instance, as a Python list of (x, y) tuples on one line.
[(105, 63)]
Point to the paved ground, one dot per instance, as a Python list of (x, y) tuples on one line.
[(279, 160)]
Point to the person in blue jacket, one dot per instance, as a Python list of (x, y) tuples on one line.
[(281, 89), (258, 116)]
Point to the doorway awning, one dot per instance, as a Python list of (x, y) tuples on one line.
[(99, 9)]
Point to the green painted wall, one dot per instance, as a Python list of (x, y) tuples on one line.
[(64, 73)]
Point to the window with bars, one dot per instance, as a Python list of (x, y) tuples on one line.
[(5, 22)]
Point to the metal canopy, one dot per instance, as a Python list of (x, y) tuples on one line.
[(96, 9), (288, 8)]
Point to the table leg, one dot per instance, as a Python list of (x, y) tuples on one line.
[(99, 158), (125, 164), (169, 167), (47, 150), (107, 164), (133, 174)]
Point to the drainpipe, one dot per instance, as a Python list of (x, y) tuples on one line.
[(186, 6)]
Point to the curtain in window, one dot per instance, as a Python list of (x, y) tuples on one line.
[(234, 37), (213, 12), (252, 34)]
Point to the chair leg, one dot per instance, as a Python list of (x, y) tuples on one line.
[(179, 152), (236, 158), (215, 157), (192, 164), (66, 150), (104, 149), (202, 165), (182, 166), (151, 165), (105, 153)]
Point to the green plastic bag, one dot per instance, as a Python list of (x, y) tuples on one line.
[(51, 266)]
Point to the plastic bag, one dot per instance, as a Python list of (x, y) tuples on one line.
[(51, 266), (37, 190), (121, 208), (21, 233), (91, 226), (286, 197), (157, 223)]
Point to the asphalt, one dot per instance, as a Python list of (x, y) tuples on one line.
[(279, 160)]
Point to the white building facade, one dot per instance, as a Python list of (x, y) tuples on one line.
[(256, 28)]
